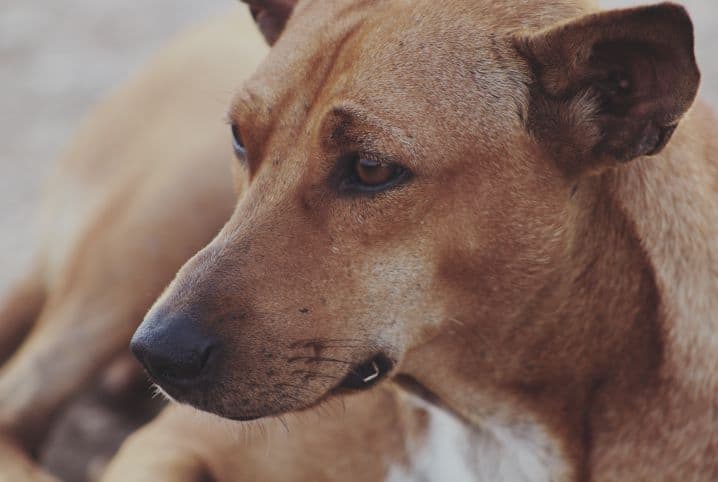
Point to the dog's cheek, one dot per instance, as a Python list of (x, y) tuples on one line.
[(400, 308)]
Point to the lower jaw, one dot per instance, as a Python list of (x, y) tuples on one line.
[(362, 377)]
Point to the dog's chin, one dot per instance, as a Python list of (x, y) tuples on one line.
[(361, 377)]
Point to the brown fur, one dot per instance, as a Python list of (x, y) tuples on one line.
[(520, 292)]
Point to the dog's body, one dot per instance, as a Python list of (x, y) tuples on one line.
[(146, 183), (559, 300)]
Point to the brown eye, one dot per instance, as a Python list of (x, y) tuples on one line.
[(364, 175), (373, 173)]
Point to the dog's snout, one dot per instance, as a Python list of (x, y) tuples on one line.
[(174, 350)]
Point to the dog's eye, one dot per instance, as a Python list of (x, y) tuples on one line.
[(373, 173), (370, 175), (239, 150)]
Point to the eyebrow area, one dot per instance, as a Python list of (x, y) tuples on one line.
[(350, 126)]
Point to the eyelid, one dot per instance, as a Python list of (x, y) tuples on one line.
[(237, 136), (238, 144), (381, 160)]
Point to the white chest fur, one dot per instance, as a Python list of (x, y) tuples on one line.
[(453, 452)]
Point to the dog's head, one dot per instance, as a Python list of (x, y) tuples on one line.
[(411, 167)]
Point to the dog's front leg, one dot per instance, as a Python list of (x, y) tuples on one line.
[(69, 345), (18, 311), (172, 448)]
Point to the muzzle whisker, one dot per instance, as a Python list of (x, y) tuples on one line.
[(315, 374), (316, 359), (298, 387), (284, 423)]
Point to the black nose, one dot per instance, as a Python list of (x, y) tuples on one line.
[(174, 350)]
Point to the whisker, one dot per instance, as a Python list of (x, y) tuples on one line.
[(292, 397), (329, 345), (298, 387), (317, 359), (314, 374), (284, 423), (307, 342)]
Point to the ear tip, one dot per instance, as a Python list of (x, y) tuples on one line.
[(682, 20), (676, 12), (675, 7), (677, 24)]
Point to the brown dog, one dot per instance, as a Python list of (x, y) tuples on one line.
[(479, 197), (141, 189)]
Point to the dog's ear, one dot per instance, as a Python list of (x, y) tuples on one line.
[(612, 86), (271, 16)]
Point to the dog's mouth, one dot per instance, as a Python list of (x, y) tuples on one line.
[(365, 375), (361, 377)]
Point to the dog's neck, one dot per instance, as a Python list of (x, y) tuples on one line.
[(673, 202), (622, 326)]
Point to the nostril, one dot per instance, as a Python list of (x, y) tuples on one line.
[(183, 367), (207, 356), (175, 353)]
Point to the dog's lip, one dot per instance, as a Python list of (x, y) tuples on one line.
[(362, 376), (246, 418)]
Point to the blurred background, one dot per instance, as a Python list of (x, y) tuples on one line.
[(58, 59)]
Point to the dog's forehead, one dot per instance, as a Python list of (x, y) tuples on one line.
[(411, 62)]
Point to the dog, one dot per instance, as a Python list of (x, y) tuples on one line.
[(682, 388), (140, 190), (508, 207)]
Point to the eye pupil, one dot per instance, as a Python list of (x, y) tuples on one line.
[(237, 141), (373, 173)]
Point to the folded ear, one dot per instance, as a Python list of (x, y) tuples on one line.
[(271, 16), (611, 86)]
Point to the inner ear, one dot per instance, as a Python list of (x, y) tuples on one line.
[(638, 103), (612, 86), (271, 16)]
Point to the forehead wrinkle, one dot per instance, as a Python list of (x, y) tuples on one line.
[(355, 116), (273, 109), (330, 68)]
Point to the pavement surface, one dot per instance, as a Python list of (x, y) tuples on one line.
[(57, 59)]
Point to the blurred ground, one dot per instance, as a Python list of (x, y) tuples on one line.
[(59, 58)]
